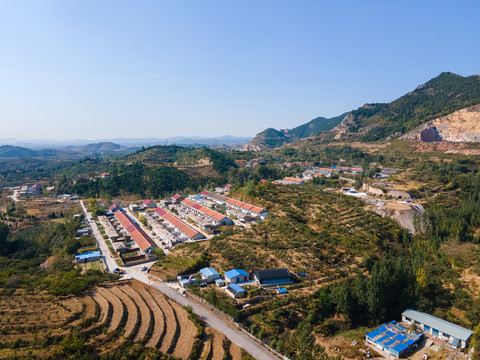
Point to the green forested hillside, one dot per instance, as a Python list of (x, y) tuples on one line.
[(10, 151), (438, 97), (153, 172), (272, 138), (316, 125)]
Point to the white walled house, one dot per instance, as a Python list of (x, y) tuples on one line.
[(455, 335)]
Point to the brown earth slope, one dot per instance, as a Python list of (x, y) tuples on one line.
[(461, 126)]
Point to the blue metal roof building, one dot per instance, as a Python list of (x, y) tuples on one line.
[(236, 276), (89, 256), (209, 273), (453, 334), (235, 272), (394, 338), (235, 290)]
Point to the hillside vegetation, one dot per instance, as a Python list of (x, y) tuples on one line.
[(272, 138), (361, 269), (152, 172), (438, 97)]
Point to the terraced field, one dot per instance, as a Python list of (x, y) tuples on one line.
[(218, 347), (108, 318)]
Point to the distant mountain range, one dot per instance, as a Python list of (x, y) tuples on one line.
[(18, 149), (104, 148), (130, 142), (441, 96)]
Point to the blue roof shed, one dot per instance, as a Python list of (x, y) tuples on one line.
[(236, 290), (209, 273), (235, 272), (89, 256)]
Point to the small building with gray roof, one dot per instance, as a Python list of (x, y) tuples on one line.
[(455, 335)]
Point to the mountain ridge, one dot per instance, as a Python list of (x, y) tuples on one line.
[(103, 148), (436, 98), (440, 96), (272, 138)]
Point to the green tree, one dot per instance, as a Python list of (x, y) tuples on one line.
[(3, 236)]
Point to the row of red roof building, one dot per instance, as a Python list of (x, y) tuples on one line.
[(143, 241), (215, 217), (179, 225), (235, 204)]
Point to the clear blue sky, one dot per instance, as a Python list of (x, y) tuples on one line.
[(103, 69)]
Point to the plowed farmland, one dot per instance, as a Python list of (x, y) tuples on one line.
[(103, 324)]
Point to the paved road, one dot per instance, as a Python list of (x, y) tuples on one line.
[(108, 260), (235, 335)]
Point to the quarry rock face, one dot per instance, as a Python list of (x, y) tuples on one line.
[(429, 134), (348, 120), (460, 126)]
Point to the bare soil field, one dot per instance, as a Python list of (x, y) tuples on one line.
[(25, 315), (158, 317), (104, 306), (187, 332), (107, 316), (217, 345), (131, 309), (117, 307), (144, 312)]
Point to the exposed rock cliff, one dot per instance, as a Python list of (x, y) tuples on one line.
[(460, 126)]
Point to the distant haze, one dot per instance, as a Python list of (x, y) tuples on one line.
[(127, 142), (123, 69)]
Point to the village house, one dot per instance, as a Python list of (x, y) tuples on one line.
[(235, 291), (209, 274), (202, 211), (149, 204), (188, 232), (247, 208), (236, 276)]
